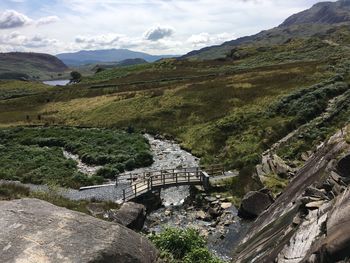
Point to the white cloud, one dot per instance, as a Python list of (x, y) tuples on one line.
[(16, 39), (12, 19), (106, 41), (99, 40), (205, 39), (158, 32), (47, 20)]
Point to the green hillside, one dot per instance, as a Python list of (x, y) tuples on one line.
[(35, 66)]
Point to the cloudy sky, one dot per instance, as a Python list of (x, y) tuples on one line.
[(153, 26)]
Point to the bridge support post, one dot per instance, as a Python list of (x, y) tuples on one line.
[(163, 177), (206, 182)]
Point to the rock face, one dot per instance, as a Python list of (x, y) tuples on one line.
[(35, 231), (253, 204), (309, 221), (272, 164), (131, 215)]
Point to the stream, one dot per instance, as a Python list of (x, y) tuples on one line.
[(82, 167)]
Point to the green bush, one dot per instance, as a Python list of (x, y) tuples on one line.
[(144, 159), (308, 103), (108, 172), (178, 242), (130, 164), (200, 255), (183, 244)]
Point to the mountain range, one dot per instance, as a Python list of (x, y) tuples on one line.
[(108, 55)]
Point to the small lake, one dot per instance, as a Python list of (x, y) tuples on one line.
[(59, 82)]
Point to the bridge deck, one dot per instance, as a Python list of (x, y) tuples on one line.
[(143, 185), (155, 180)]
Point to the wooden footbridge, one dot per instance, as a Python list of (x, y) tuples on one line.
[(155, 180)]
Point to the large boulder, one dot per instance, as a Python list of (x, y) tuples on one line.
[(35, 231), (282, 169), (253, 204), (131, 215)]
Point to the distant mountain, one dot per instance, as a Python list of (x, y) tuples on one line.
[(317, 20), (108, 55), (20, 65)]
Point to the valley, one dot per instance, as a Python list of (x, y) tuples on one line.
[(271, 110)]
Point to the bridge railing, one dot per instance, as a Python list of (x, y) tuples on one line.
[(212, 170), (162, 179), (145, 175)]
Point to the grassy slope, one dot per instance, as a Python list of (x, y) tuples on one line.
[(15, 89)]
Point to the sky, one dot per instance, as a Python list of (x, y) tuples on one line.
[(158, 27)]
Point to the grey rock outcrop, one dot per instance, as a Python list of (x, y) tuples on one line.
[(253, 204), (309, 221), (35, 231), (272, 164), (131, 215)]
